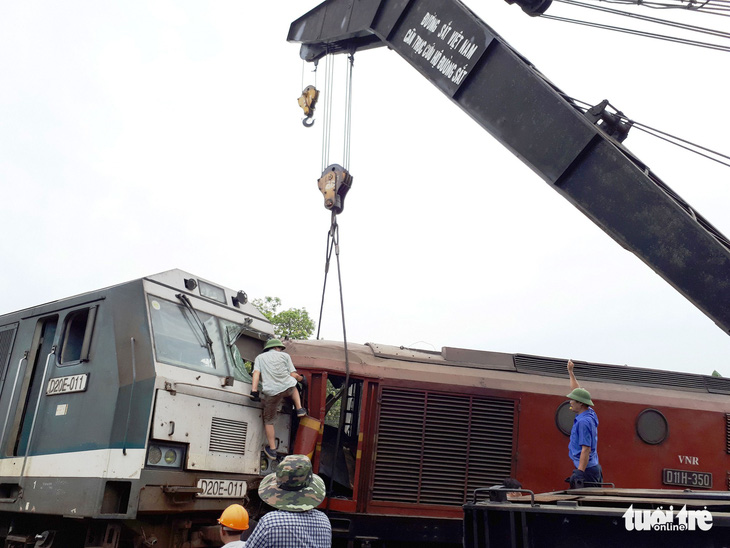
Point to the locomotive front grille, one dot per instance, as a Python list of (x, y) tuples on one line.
[(434, 448), (227, 436)]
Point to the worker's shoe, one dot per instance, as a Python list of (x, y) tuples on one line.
[(301, 412), (270, 452)]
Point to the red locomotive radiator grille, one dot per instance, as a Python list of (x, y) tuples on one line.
[(433, 448)]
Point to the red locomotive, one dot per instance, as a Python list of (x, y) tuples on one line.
[(422, 429)]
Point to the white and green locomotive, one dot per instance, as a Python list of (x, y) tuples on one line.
[(126, 415)]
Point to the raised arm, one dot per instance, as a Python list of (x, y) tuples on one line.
[(573, 381)]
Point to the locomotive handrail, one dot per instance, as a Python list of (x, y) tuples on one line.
[(131, 395), (12, 395), (502, 489)]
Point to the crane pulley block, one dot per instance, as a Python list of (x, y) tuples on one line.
[(334, 184), (532, 8), (613, 124), (307, 101)]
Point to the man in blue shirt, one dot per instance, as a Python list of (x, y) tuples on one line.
[(583, 446)]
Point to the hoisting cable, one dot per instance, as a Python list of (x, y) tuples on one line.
[(327, 130), (646, 18), (700, 150), (644, 34), (334, 185), (708, 6)]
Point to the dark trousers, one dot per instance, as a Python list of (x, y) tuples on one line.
[(594, 474)]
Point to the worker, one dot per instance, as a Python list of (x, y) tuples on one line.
[(583, 445), (294, 491), (500, 494), (233, 521), (274, 368), (513, 484)]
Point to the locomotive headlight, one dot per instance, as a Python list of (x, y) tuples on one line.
[(165, 456), (170, 457), (154, 455)]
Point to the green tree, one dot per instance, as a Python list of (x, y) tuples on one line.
[(293, 323)]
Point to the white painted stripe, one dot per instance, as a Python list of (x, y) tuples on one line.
[(100, 463)]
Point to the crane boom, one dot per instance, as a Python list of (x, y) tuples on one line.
[(578, 154)]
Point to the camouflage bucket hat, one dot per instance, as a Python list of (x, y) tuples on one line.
[(293, 487)]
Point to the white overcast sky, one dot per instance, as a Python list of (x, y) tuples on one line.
[(137, 137)]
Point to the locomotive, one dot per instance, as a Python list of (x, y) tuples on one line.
[(127, 416), (128, 421), (422, 429)]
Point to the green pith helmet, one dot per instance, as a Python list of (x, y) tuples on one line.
[(293, 487), (273, 343), (582, 395)]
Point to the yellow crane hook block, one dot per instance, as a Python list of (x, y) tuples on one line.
[(334, 184), (307, 101)]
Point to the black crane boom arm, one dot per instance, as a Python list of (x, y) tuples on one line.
[(507, 96)]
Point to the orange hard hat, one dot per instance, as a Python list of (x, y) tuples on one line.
[(234, 517)]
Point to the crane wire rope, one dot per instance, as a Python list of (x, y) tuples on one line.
[(667, 22), (685, 144), (646, 34), (333, 239), (710, 7)]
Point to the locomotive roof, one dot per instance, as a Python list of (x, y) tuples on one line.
[(517, 363)]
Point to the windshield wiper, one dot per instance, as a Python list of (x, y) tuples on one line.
[(201, 325)]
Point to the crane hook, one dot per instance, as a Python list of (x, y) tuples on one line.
[(307, 101)]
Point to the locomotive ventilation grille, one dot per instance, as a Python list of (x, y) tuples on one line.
[(228, 436), (620, 374), (436, 448)]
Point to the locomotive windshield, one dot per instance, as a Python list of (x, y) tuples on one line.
[(180, 340)]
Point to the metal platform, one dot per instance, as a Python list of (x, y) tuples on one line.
[(599, 517)]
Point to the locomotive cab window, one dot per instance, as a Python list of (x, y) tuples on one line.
[(197, 341), (76, 341)]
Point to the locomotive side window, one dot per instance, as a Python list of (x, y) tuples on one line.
[(77, 330), (234, 343), (344, 469), (564, 418), (7, 337), (652, 426)]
